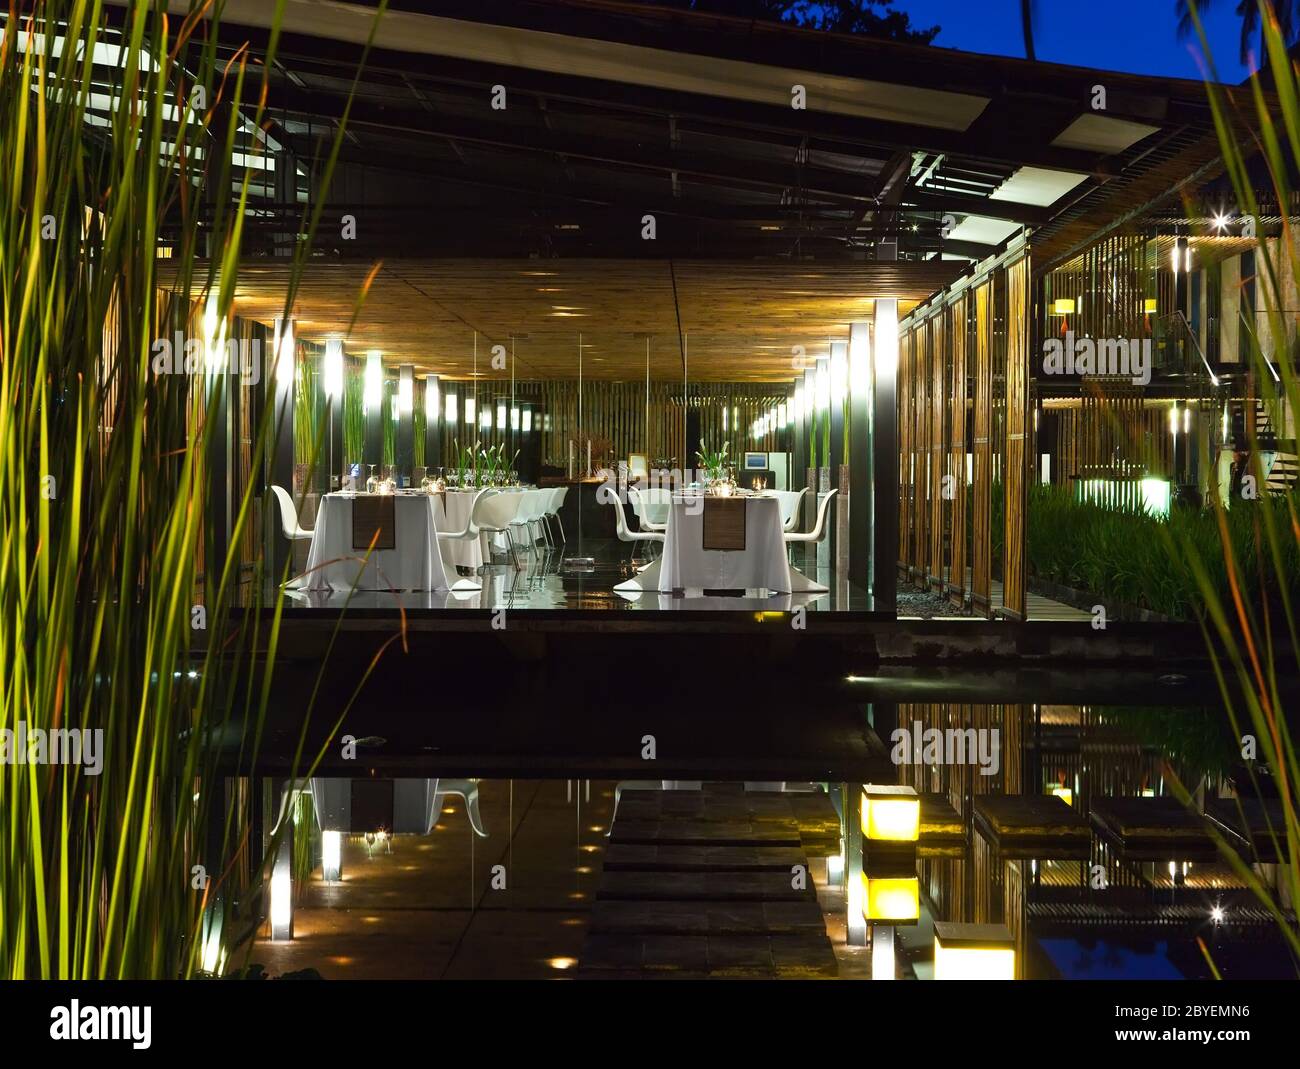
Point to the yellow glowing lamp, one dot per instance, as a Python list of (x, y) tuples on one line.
[(973, 952), (891, 899), (1064, 794), (1063, 306), (890, 814), (1150, 306)]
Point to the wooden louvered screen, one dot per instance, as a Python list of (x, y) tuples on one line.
[(982, 475), (905, 458), (957, 451), (921, 453), (938, 446), (1016, 451)]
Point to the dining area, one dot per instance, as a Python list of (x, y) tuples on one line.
[(431, 538)]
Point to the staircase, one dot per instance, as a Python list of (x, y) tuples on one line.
[(1285, 471)]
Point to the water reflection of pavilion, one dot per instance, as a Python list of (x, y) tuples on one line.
[(1077, 842)]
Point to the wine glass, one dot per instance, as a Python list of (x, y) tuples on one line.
[(372, 481)]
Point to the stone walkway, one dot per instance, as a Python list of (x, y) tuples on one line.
[(702, 883)]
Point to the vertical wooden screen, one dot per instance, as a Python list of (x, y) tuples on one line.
[(938, 445), (1015, 454), (982, 494), (957, 452), (921, 452), (905, 450)]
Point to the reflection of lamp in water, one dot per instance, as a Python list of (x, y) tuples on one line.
[(973, 952), (891, 899), (889, 895), (890, 814)]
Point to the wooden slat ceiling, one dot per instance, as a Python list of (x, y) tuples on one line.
[(738, 322)]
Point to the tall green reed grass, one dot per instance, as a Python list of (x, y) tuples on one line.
[(109, 554)]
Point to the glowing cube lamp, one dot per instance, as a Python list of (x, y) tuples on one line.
[(973, 952), (890, 814)]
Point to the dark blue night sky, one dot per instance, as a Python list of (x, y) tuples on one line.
[(1127, 35)]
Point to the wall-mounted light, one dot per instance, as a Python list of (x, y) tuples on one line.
[(839, 372), (886, 339), (373, 395), (332, 369), (1063, 306), (783, 414), (1150, 306), (485, 418), (431, 398), (449, 413), (528, 420), (470, 405), (331, 863), (216, 360), (973, 952), (514, 417), (501, 416), (283, 348), (405, 394), (1173, 419), (798, 401)]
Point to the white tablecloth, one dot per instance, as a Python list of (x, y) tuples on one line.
[(761, 565), (414, 563)]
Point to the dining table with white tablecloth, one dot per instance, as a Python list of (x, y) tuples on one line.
[(722, 543), (407, 557)]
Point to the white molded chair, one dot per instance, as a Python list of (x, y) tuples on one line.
[(289, 516), (649, 505), (791, 504), (819, 528), (469, 531), (621, 528), (492, 514), (532, 504), (553, 507)]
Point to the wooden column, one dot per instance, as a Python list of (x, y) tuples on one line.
[(938, 448), (1015, 486), (957, 453), (886, 496), (982, 495), (904, 410), (921, 474), (861, 489), (404, 442)]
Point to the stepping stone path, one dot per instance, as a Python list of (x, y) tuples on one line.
[(698, 884)]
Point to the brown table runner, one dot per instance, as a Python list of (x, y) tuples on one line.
[(724, 523), (374, 519)]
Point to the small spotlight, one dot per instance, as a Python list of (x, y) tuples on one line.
[(1220, 221), (1216, 914)]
